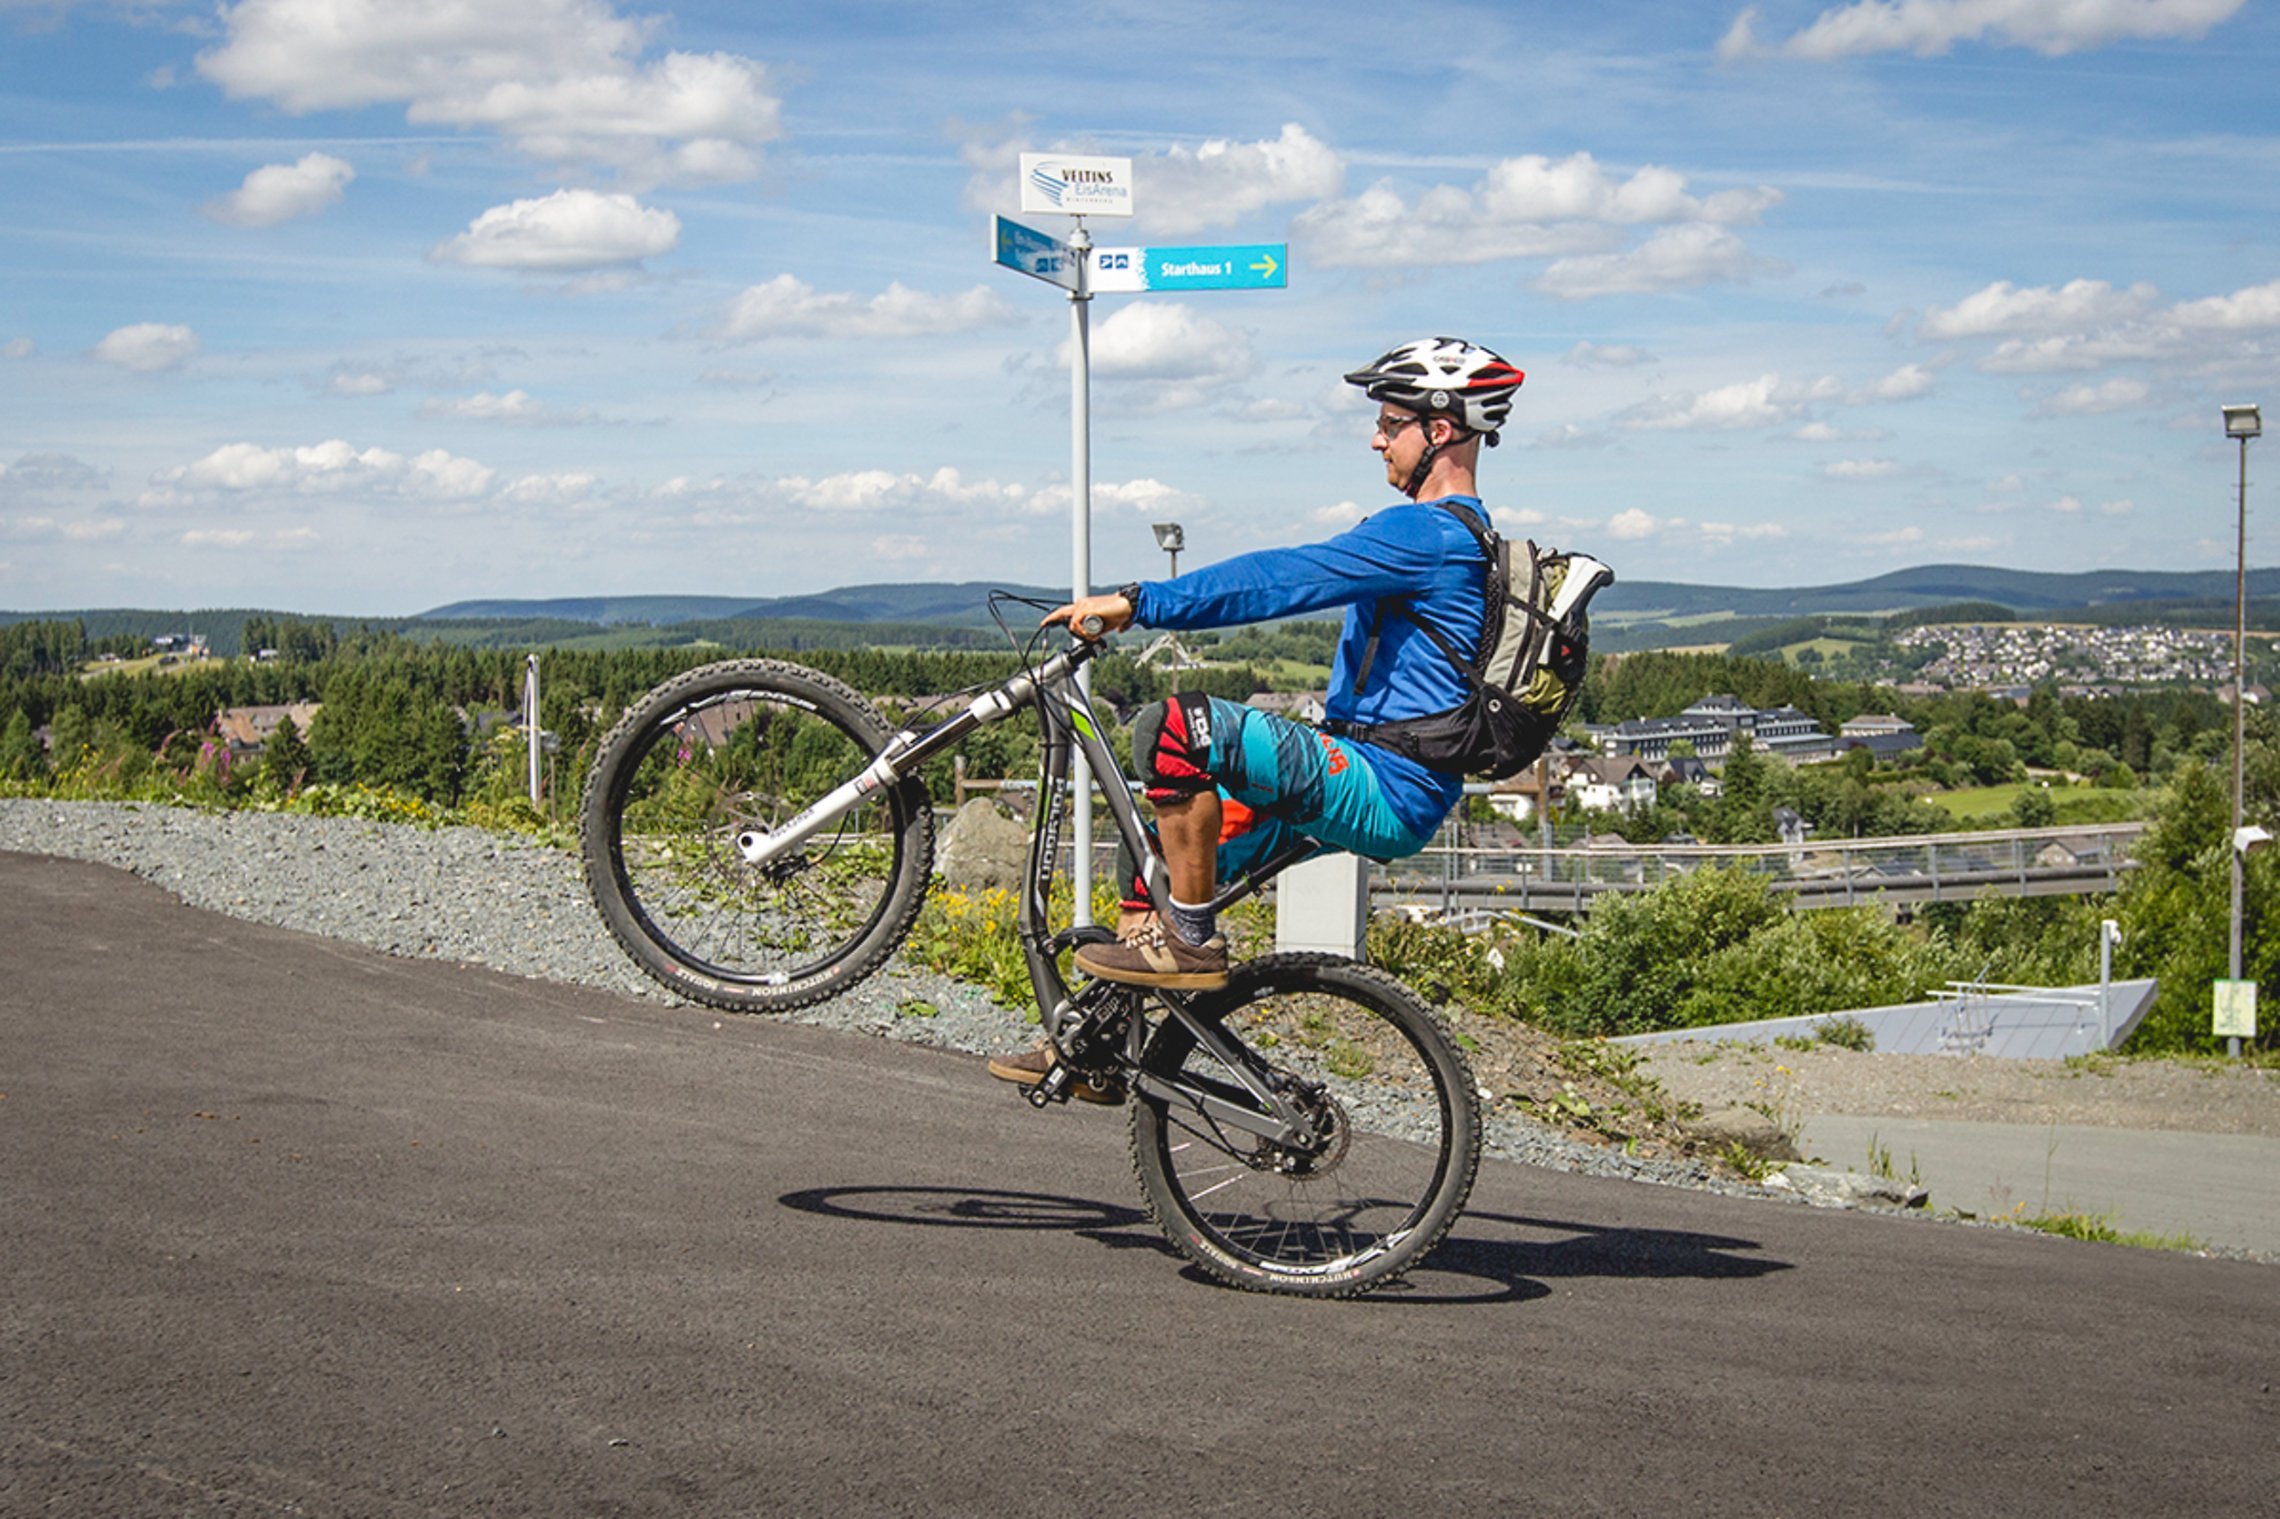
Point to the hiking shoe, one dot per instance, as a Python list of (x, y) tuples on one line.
[(1029, 1069), (1150, 954)]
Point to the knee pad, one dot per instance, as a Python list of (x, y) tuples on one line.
[(1171, 747)]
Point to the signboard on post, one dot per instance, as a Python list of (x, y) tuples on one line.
[(1218, 266), (1071, 184), (2235, 1015), (1034, 253)]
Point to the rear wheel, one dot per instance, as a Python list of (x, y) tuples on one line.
[(1395, 1113), (739, 746)]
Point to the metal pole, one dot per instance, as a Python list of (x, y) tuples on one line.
[(2240, 718), (1080, 514), (530, 719)]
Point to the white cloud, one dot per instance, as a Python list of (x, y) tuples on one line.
[(250, 468), (1726, 534), (2120, 508), (280, 192), (1674, 258), (1220, 182), (18, 348), (899, 548), (1767, 401), (517, 407), (1899, 537), (787, 307), (2066, 506), (1528, 207), (568, 232), (2002, 308), (1906, 383), (567, 488), (1631, 524), (2256, 307), (348, 381), (1173, 356), (564, 80), (2119, 394), (1571, 435), (1590, 355), (1930, 27), (149, 347), (879, 490), (1861, 469), (217, 538)]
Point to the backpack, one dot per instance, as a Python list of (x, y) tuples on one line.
[(1524, 677)]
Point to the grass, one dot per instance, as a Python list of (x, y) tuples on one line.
[(2099, 1228), (2074, 804)]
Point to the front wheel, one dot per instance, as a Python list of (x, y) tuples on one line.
[(745, 745), (1395, 1119)]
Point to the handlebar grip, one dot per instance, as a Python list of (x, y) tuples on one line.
[(1091, 627)]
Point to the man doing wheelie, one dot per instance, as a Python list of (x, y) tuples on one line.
[(1230, 784)]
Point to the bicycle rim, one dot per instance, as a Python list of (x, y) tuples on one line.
[(1390, 1175), (748, 746)]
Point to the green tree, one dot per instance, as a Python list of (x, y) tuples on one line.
[(285, 758), (2034, 808), (20, 756)]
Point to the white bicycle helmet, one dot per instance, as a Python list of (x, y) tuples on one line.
[(1447, 377)]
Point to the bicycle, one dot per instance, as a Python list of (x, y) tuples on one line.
[(758, 838)]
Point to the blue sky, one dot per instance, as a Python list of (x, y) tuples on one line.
[(369, 305)]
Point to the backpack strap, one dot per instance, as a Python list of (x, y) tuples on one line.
[(1399, 606)]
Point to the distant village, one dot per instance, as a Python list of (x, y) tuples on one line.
[(2002, 656)]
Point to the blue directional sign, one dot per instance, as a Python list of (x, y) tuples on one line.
[(1214, 266), (1033, 253)]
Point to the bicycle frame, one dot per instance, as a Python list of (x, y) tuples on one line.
[(1070, 726)]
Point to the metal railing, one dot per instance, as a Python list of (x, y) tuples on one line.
[(1941, 867)]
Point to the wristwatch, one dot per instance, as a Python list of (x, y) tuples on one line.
[(1131, 594)]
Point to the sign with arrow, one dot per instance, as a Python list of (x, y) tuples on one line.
[(1220, 266)]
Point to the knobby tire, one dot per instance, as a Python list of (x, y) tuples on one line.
[(749, 744)]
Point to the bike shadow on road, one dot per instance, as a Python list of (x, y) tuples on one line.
[(1488, 1257)]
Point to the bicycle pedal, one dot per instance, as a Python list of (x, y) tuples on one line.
[(1054, 1088)]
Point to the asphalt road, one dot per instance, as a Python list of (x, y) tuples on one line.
[(290, 1227)]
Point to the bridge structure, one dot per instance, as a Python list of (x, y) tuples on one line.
[(1897, 871)]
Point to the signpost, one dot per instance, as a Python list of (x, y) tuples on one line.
[(1076, 185)]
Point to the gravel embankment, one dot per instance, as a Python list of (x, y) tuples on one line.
[(516, 906)]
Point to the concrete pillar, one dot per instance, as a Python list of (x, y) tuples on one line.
[(1323, 904)]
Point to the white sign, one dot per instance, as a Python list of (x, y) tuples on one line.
[(1071, 184), (2235, 1010)]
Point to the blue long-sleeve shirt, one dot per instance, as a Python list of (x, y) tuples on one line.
[(1415, 552)]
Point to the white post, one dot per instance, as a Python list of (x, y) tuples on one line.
[(530, 719), (1080, 515), (2109, 935)]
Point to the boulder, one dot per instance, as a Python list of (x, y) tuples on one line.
[(1825, 1187), (1746, 1127), (982, 848)]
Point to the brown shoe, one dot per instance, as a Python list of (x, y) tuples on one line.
[(1029, 1069), (1152, 955)]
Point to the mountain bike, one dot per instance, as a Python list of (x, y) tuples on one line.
[(758, 837)]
